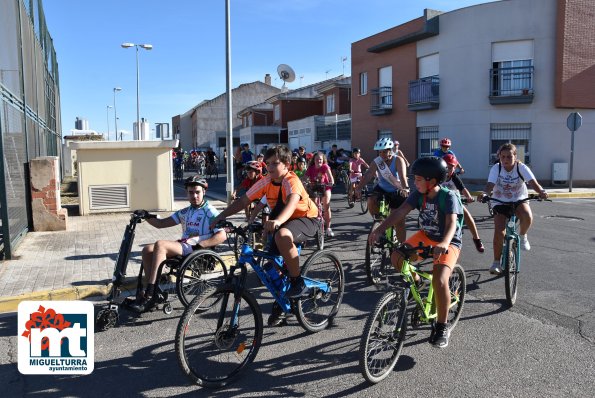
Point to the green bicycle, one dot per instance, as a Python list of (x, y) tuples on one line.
[(377, 260), (386, 327)]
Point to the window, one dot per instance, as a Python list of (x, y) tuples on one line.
[(277, 111), (385, 134), (330, 103), (513, 77), (363, 83), (518, 134), (427, 140)]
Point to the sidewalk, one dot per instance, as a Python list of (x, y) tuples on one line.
[(78, 263)]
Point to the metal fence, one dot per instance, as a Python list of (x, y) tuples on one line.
[(29, 111)]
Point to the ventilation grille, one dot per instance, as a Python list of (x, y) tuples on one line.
[(108, 197)]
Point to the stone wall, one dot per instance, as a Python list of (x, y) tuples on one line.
[(48, 214)]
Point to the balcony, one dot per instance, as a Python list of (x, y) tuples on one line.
[(511, 85), (424, 94), (381, 101)]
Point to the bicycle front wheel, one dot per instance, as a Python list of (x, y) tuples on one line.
[(363, 201), (199, 271), (350, 197), (377, 261), (318, 310), (213, 342), (511, 272), (382, 340), (457, 284)]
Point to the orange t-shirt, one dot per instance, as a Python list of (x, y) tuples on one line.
[(290, 184)]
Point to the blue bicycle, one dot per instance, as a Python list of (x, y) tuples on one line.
[(220, 332)]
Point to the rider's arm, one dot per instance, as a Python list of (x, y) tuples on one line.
[(538, 188), (217, 238), (162, 222), (395, 216), (232, 209), (257, 209), (450, 227), (329, 175), (402, 170), (368, 175), (487, 191)]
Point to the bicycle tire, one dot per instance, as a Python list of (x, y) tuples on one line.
[(511, 272), (383, 336), (457, 284), (377, 260), (350, 197), (199, 271), (317, 311), (240, 239), (320, 236), (207, 354), (363, 201)]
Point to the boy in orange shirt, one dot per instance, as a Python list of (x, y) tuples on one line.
[(293, 217)]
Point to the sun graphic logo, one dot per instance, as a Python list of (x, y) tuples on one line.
[(56, 337)]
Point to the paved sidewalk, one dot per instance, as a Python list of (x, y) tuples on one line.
[(78, 263)]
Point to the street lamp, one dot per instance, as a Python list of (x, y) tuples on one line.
[(146, 47), (107, 119), (116, 89)]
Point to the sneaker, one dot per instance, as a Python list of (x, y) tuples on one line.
[(479, 245), (277, 317), (495, 268), (144, 305), (298, 289), (440, 335), (330, 233), (525, 243)]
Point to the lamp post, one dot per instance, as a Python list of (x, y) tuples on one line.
[(146, 47), (107, 119), (116, 89)]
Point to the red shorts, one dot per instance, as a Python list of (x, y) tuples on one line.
[(449, 259)]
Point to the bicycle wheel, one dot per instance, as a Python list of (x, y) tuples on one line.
[(350, 197), (199, 271), (457, 284), (240, 239), (318, 310), (511, 272), (383, 336), (211, 350), (377, 261), (363, 201), (320, 236)]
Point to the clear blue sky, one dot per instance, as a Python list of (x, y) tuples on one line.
[(187, 63)]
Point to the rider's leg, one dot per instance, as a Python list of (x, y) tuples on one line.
[(147, 256), (440, 277), (326, 203), (523, 212), (470, 223), (499, 227), (163, 249), (373, 205)]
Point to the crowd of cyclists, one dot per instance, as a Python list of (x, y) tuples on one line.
[(282, 180)]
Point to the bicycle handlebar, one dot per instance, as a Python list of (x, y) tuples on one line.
[(143, 214), (532, 196)]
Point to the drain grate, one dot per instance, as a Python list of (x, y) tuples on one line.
[(571, 218)]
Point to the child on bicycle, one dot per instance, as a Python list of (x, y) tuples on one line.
[(506, 182), (196, 233), (293, 218), (439, 228), (454, 183), (444, 149), (319, 172), (300, 170), (253, 175), (355, 169)]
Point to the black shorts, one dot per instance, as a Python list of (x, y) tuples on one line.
[(302, 229), (394, 199), (505, 210)]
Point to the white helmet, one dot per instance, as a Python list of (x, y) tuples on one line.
[(384, 143)]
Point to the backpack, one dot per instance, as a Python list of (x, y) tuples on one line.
[(517, 170), (442, 204)]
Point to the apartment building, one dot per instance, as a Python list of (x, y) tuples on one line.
[(507, 71)]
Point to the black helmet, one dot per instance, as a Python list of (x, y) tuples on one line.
[(355, 150), (195, 181), (301, 160), (430, 167)]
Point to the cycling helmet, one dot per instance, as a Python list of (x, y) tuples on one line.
[(354, 150), (301, 160), (254, 165), (196, 181), (445, 142), (384, 143), (430, 167), (451, 159)]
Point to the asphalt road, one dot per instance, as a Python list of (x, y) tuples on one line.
[(544, 346)]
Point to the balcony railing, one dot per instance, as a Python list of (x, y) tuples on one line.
[(511, 85), (424, 93), (381, 101)]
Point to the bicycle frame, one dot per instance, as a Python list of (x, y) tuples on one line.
[(511, 235), (427, 304)]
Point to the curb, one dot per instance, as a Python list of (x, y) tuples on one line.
[(11, 303)]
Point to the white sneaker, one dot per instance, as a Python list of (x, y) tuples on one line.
[(525, 243), (329, 232), (495, 268)]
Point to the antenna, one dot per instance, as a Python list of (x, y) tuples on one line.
[(301, 78), (286, 74), (343, 59), (327, 71)]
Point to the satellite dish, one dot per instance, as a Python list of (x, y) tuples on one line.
[(286, 73)]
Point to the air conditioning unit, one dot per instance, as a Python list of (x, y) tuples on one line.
[(559, 173)]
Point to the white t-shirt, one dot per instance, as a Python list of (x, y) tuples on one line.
[(508, 185)]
